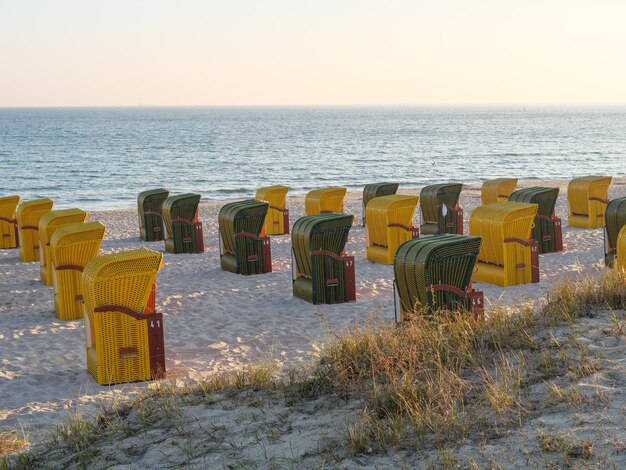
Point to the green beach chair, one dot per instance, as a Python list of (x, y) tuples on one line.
[(321, 273), (244, 249), (441, 213), (547, 230), (149, 207), (436, 272), (370, 191), (615, 219), (184, 232)]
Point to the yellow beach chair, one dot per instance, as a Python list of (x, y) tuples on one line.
[(389, 225), (277, 218), (29, 213), (320, 201), (508, 256), (71, 248), (497, 190), (8, 222), (587, 199), (48, 224), (620, 255), (124, 343)]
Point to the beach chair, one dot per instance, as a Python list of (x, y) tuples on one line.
[(390, 225), (48, 224), (508, 256), (620, 251), (28, 215), (277, 218), (321, 273), (497, 190), (9, 237), (615, 219), (587, 198), (124, 342), (71, 248), (441, 213), (320, 201), (370, 191), (547, 229), (435, 273), (184, 232), (149, 208), (243, 247)]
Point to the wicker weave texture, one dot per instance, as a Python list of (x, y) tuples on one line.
[(543, 230), (370, 191), (71, 248), (502, 260), (324, 200), (432, 200), (276, 197), (587, 198), (179, 214), (615, 218), (390, 225), (28, 215), (118, 349), (48, 224), (149, 209), (8, 222), (620, 258), (497, 190)]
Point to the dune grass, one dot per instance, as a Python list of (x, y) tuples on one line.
[(434, 380)]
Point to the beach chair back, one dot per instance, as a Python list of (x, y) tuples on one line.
[(71, 248), (547, 229), (507, 256), (620, 251), (321, 201), (9, 237), (28, 215), (390, 225), (124, 343), (497, 190), (439, 204), (48, 224), (435, 272), (277, 218), (150, 211), (615, 219), (243, 249), (370, 191), (184, 232), (587, 198)]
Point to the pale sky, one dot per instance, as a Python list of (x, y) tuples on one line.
[(281, 52)]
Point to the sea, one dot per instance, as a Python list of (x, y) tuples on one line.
[(99, 158)]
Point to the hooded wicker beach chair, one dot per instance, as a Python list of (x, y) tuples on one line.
[(124, 343), (615, 219), (71, 248), (149, 208), (587, 198), (370, 191), (620, 251), (322, 274), (184, 232), (547, 229), (8, 223), (320, 201), (497, 190), (390, 225), (48, 224), (277, 218), (244, 250), (441, 213), (436, 272), (28, 215), (508, 256)]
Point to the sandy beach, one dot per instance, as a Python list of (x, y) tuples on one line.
[(216, 321)]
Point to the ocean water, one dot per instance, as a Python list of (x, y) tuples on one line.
[(103, 157)]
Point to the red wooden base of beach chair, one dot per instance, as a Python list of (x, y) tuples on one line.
[(534, 260), (156, 345), (350, 278), (199, 237)]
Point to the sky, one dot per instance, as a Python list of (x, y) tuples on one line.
[(279, 52)]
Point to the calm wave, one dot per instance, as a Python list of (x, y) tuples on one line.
[(103, 157)]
